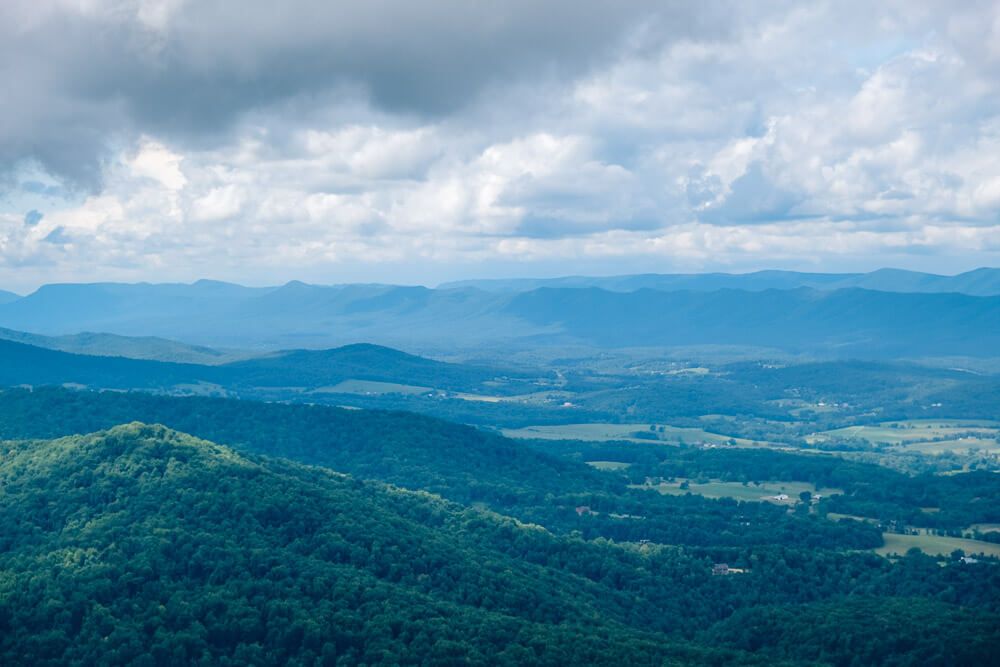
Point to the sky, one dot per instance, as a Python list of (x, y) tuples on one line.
[(417, 142)]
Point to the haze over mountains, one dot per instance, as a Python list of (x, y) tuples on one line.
[(884, 313), (979, 282)]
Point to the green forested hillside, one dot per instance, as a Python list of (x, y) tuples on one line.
[(864, 631), (22, 361), (132, 347), (162, 549), (141, 545), (458, 462), (316, 368)]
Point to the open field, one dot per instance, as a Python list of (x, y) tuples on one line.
[(596, 432), (925, 436), (375, 388), (766, 492), (986, 527), (371, 387), (959, 446), (934, 545)]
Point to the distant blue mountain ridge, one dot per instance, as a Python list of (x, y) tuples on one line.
[(979, 282), (838, 315)]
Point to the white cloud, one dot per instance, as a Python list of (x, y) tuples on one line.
[(825, 135)]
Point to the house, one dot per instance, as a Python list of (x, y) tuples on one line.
[(583, 509), (723, 569), (780, 496)]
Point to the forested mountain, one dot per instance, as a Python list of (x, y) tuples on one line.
[(827, 317), (293, 315), (132, 347), (163, 549), (856, 322), (30, 365), (316, 368), (8, 297), (143, 545)]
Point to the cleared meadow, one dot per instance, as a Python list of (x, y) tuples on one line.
[(628, 432), (766, 492), (922, 435), (934, 545)]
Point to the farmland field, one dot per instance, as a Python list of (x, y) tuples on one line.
[(986, 527), (373, 387), (925, 436), (628, 432), (750, 492), (935, 545)]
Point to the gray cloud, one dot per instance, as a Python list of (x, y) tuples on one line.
[(81, 78), (184, 138)]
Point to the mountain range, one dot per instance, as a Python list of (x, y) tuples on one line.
[(979, 282), (827, 317)]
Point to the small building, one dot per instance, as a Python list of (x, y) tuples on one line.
[(723, 570), (583, 509), (780, 496)]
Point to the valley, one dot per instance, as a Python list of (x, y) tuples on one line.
[(590, 484)]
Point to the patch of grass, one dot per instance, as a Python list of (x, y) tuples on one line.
[(371, 387), (986, 527), (922, 435), (766, 492), (628, 432), (934, 545), (959, 446)]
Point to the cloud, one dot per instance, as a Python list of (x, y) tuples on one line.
[(387, 140), (188, 70)]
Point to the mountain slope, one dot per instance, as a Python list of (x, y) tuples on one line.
[(8, 297), (317, 368), (294, 315), (31, 365), (458, 462), (28, 364), (111, 345), (165, 549), (853, 322), (144, 545)]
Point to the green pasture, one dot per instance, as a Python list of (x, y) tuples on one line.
[(935, 545)]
